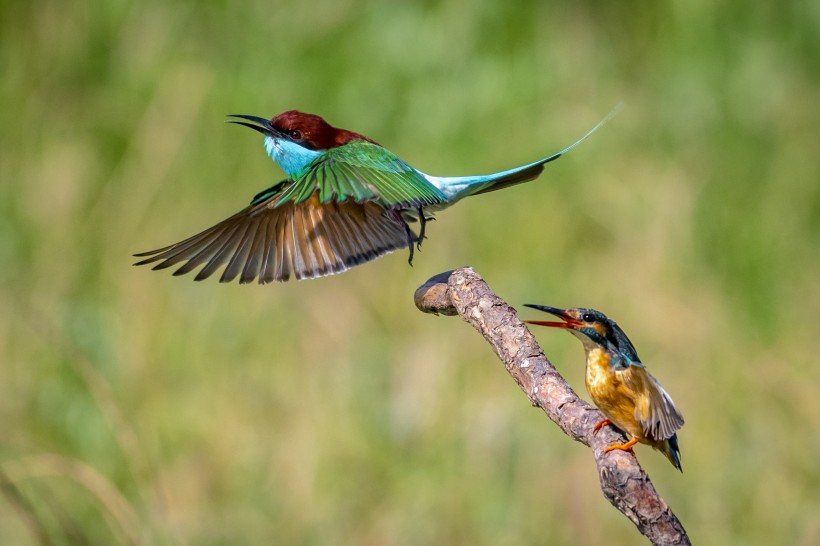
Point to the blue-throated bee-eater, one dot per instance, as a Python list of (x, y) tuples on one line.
[(619, 384), (346, 200)]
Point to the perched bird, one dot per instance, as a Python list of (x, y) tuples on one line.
[(619, 384), (346, 200)]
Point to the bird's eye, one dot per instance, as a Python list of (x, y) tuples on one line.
[(295, 134), (588, 317)]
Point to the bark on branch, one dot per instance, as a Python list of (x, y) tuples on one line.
[(624, 483)]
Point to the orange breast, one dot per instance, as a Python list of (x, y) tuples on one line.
[(616, 393)]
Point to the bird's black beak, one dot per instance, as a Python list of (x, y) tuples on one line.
[(261, 124), (570, 322)]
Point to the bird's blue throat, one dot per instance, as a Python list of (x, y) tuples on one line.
[(293, 159)]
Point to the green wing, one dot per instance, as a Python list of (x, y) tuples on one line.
[(364, 172)]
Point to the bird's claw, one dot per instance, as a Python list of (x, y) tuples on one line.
[(411, 239), (623, 447), (422, 227), (601, 424)]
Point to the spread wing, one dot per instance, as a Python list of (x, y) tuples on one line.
[(658, 416), (273, 239), (362, 172)]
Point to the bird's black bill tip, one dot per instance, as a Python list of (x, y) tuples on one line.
[(257, 119), (546, 308), (569, 322), (250, 125), (261, 125)]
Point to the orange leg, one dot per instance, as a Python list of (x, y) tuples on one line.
[(623, 447), (603, 423)]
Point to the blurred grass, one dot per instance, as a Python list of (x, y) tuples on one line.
[(141, 408)]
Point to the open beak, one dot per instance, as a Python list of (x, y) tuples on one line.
[(569, 322), (261, 124)]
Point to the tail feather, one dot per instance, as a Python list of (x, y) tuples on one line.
[(518, 176), (459, 187), (672, 451)]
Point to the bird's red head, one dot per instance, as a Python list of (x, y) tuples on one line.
[(313, 131)]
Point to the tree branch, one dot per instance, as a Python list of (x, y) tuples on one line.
[(624, 483)]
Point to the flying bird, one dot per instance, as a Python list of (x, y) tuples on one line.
[(619, 384), (346, 200)]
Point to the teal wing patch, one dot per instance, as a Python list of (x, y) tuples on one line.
[(364, 172), (620, 361)]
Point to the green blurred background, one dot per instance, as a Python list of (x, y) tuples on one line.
[(141, 408)]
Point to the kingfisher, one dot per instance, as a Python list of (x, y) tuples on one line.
[(619, 383), (345, 201)]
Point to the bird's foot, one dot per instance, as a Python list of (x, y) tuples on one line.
[(623, 447), (603, 423), (423, 225), (411, 239)]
